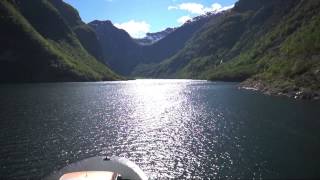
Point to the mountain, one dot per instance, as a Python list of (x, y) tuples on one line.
[(152, 38), (84, 33), (126, 57), (45, 40), (119, 50), (176, 40), (273, 45), (170, 45)]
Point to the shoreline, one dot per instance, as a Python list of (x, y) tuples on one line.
[(294, 92)]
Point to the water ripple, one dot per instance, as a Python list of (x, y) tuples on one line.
[(171, 128)]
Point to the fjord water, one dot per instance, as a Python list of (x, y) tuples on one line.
[(170, 128)]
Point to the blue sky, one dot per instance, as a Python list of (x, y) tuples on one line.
[(138, 17)]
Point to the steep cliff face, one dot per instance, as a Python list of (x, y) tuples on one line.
[(39, 44)]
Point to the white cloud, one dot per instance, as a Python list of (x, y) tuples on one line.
[(216, 6), (198, 9), (183, 19), (194, 8), (136, 29)]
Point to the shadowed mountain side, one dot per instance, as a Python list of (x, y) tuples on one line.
[(120, 51), (39, 44)]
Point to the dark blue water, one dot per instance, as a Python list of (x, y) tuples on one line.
[(170, 128)]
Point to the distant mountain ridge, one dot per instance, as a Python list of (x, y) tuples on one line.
[(119, 50), (125, 56), (152, 38)]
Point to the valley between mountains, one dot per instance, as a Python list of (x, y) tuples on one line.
[(267, 45)]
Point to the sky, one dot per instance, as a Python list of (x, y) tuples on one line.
[(139, 17)]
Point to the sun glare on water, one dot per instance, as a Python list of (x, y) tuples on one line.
[(162, 119)]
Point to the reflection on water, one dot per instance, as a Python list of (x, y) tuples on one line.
[(171, 128), (162, 118)]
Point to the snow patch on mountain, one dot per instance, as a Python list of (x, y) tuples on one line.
[(152, 38)]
